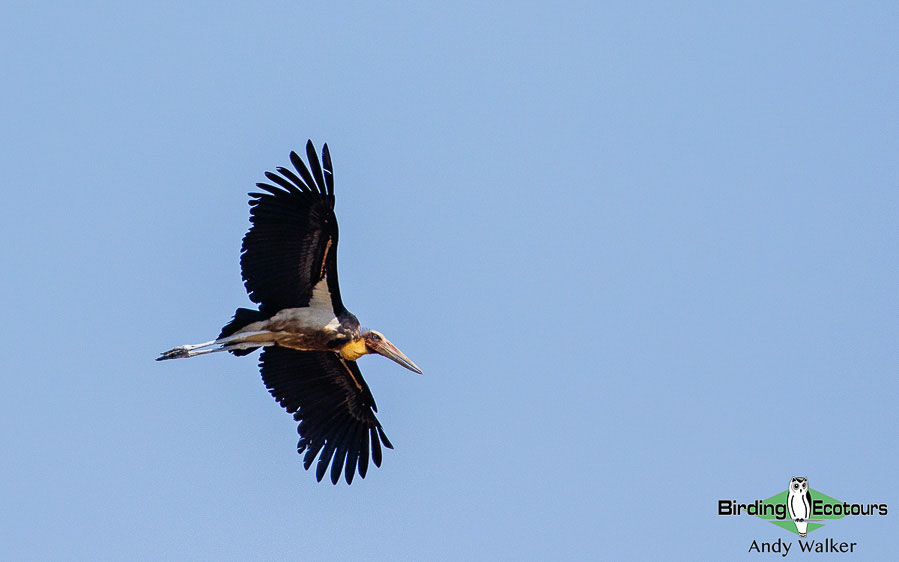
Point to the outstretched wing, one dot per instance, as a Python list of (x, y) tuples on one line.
[(334, 406), (292, 243)]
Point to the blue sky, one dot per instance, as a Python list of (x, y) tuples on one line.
[(646, 256)]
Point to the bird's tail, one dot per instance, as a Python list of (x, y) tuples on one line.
[(243, 317)]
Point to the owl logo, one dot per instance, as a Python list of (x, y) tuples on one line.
[(799, 502)]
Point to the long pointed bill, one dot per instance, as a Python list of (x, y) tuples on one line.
[(390, 351)]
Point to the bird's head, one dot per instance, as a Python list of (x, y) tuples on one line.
[(375, 342)]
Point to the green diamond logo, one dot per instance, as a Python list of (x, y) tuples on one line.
[(819, 500)]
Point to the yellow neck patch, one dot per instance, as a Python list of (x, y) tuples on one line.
[(354, 350)]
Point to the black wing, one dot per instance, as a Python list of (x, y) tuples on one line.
[(334, 406), (292, 243)]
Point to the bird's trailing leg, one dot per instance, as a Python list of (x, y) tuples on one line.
[(230, 343)]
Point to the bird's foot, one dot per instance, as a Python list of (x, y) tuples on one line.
[(186, 351), (176, 353)]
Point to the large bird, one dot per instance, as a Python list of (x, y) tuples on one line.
[(311, 341)]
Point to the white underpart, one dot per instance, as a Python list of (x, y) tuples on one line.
[(321, 305), (319, 315)]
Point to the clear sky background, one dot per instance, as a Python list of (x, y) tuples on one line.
[(646, 255)]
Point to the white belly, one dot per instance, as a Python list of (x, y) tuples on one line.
[(317, 317)]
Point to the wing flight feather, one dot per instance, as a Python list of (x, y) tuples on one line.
[(292, 243), (337, 421)]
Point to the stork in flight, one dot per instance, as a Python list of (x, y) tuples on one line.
[(311, 341)]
